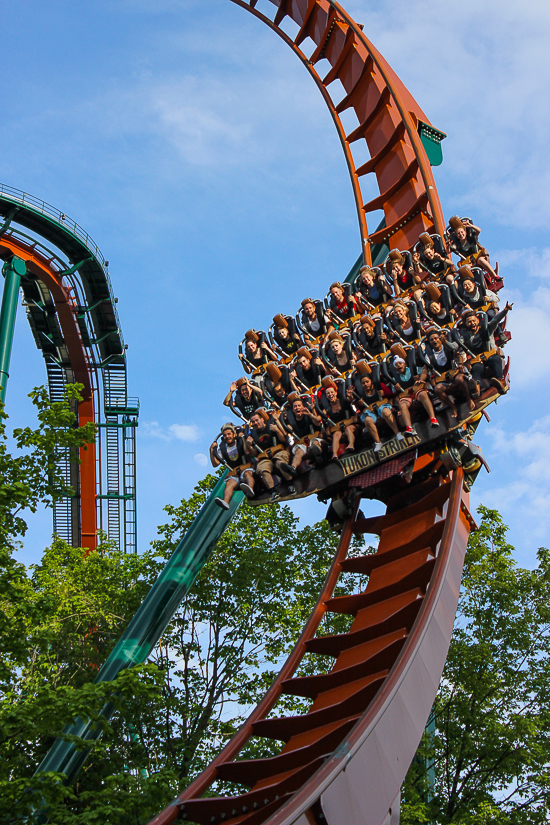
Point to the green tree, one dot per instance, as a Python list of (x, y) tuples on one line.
[(491, 747), (219, 654)]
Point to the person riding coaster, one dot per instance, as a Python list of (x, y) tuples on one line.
[(313, 320), (337, 353), (445, 360), (471, 292), (243, 398), (430, 258), (307, 369), (371, 289), (256, 353), (373, 401), (369, 336), (267, 442), (304, 424), (400, 272), (463, 237), (285, 337), (277, 383), (233, 452), (334, 404), (341, 303), (436, 306), (403, 321), (475, 332), (409, 382)]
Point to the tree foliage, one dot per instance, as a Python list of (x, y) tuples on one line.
[(60, 619), (491, 747), (217, 657)]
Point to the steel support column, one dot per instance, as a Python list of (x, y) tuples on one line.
[(12, 271)]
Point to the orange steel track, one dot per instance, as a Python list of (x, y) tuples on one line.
[(387, 119), (343, 762), (40, 267)]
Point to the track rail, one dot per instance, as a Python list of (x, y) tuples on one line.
[(387, 119), (78, 364), (72, 313), (345, 759)]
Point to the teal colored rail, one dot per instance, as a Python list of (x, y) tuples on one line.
[(10, 295), (150, 622)]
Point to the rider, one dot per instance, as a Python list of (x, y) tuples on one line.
[(403, 319), (436, 302), (427, 258), (373, 404), (371, 288), (277, 383), (267, 441), (445, 360), (248, 397), (410, 384), (463, 239), (476, 333), (257, 352), (286, 335), (232, 451), (339, 353), (400, 269), (342, 303), (336, 405), (308, 369), (369, 336), (314, 320), (304, 423)]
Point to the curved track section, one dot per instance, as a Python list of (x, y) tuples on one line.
[(386, 118), (344, 760), (72, 314)]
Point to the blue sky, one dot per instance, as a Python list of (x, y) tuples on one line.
[(194, 148)]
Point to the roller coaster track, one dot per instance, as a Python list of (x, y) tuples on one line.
[(387, 118), (72, 314), (342, 761)]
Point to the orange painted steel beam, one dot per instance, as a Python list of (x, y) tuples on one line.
[(386, 112), (40, 267), (350, 751)]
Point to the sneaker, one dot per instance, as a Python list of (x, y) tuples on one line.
[(221, 503), (377, 446), (316, 453), (499, 386), (274, 497), (400, 437), (410, 431), (434, 422), (288, 468), (247, 489)]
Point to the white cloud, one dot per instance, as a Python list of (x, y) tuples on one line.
[(528, 494), (151, 429), (185, 432), (182, 432), (485, 67), (201, 459), (529, 322)]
